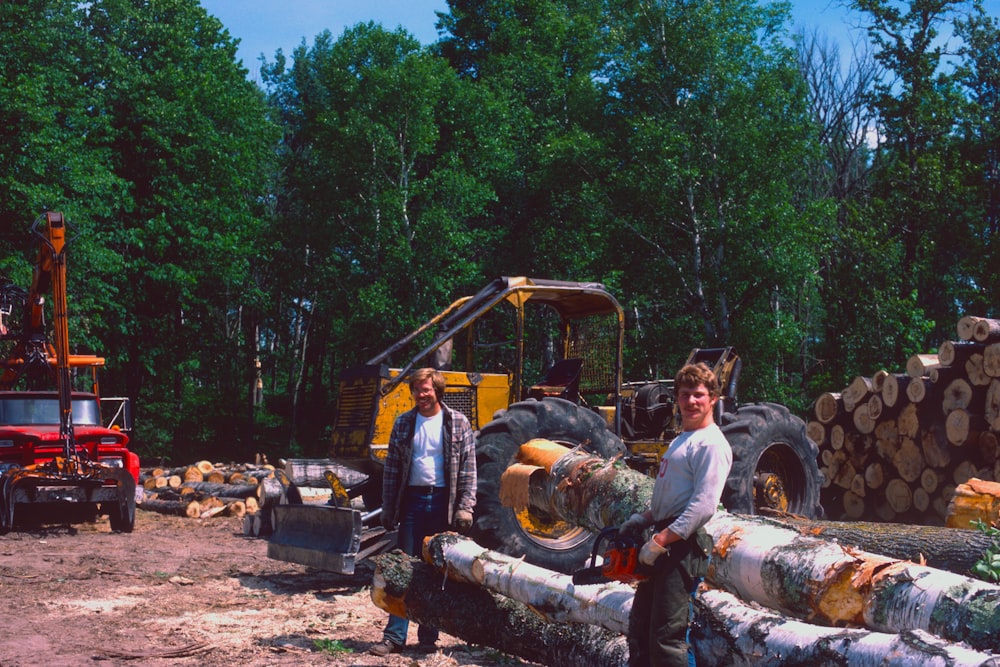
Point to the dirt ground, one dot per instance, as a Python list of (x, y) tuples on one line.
[(180, 591)]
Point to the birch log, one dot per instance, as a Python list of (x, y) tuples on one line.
[(806, 577), (404, 586), (764, 562), (948, 549), (551, 594), (726, 631)]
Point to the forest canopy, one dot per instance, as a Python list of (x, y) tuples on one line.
[(238, 243)]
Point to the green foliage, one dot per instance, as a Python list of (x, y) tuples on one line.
[(987, 568), (238, 246), (331, 646)]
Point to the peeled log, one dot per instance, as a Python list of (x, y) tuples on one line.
[(404, 586), (801, 576), (919, 365), (975, 500), (727, 631)]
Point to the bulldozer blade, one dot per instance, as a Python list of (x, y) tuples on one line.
[(319, 536)]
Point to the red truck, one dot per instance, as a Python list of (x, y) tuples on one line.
[(58, 459)]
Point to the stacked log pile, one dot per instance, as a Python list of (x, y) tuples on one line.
[(205, 489), (895, 445)]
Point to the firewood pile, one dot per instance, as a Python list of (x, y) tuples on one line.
[(205, 489), (894, 446)]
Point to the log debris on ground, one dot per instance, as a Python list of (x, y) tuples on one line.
[(204, 489)]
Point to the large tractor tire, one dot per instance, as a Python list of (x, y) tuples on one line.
[(774, 462), (541, 540)]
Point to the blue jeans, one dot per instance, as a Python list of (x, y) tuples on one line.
[(421, 515)]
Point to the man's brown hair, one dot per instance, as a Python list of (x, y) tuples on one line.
[(436, 377), (693, 375)]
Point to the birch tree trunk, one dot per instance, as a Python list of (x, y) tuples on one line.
[(551, 594), (404, 586), (728, 632), (772, 565)]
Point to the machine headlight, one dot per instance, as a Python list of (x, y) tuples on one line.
[(112, 461), (4, 467)]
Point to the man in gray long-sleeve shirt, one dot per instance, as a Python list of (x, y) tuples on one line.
[(687, 490)]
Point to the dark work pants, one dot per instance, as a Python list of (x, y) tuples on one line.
[(422, 513), (657, 634)]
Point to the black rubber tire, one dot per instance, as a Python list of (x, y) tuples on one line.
[(768, 439), (122, 520), (496, 526)]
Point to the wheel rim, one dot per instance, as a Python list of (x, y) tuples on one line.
[(778, 481), (555, 535), (550, 532)]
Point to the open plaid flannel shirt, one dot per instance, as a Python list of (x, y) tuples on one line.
[(459, 444)]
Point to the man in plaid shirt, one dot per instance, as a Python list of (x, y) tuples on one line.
[(429, 484)]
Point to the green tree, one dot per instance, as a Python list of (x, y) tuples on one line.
[(980, 141), (541, 58), (191, 138), (388, 159), (714, 135), (920, 185)]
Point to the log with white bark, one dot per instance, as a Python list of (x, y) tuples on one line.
[(241, 491), (409, 588), (550, 594), (943, 548), (727, 631), (770, 564), (312, 473), (762, 637), (807, 577)]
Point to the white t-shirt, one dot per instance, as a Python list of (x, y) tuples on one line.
[(427, 463)]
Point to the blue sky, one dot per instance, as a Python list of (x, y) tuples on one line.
[(264, 26)]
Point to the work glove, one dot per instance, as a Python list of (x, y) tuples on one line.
[(651, 551), (633, 526), (462, 520), (388, 521)]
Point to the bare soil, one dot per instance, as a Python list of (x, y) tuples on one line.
[(181, 591)]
